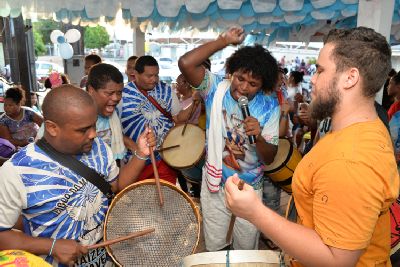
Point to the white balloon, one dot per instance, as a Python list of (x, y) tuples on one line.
[(72, 35), (66, 50), (54, 35)]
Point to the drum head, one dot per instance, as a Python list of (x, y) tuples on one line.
[(136, 208), (281, 154), (236, 258), (191, 146)]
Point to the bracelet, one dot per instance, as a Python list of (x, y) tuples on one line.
[(139, 157), (52, 246)]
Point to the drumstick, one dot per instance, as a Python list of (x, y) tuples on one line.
[(156, 176), (167, 148), (194, 106), (233, 217), (122, 238)]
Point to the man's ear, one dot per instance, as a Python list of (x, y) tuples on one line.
[(51, 128), (352, 78)]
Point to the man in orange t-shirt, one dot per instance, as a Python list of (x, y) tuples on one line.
[(344, 186)]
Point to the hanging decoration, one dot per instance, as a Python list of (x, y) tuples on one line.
[(64, 41)]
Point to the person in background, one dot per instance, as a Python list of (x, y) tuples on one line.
[(185, 92), (34, 102), (90, 60), (345, 185), (394, 92), (18, 124), (130, 68), (387, 100), (55, 79)]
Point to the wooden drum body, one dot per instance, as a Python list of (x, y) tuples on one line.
[(237, 258), (191, 146), (282, 168)]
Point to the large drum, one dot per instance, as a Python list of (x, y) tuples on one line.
[(136, 208), (234, 258), (183, 151), (282, 168)]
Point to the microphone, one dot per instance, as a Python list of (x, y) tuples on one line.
[(244, 106)]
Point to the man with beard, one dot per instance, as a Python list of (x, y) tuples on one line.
[(344, 186), (62, 211), (253, 73)]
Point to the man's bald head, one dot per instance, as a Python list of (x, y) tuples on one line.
[(61, 101)]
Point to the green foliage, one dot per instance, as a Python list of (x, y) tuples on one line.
[(40, 48), (312, 61), (96, 37), (45, 27)]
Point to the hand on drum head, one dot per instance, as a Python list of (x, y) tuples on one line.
[(68, 251), (243, 203), (146, 141)]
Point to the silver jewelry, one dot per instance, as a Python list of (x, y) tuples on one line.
[(139, 157)]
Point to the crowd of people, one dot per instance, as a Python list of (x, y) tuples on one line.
[(342, 196)]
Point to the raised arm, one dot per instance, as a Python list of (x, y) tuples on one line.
[(190, 63)]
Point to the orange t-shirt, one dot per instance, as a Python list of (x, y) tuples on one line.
[(343, 189)]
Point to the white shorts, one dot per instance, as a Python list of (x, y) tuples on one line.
[(216, 218)]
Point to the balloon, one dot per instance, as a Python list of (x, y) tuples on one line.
[(60, 39), (72, 35), (66, 50), (54, 35)]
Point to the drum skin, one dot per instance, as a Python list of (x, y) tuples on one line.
[(237, 258), (191, 146), (282, 168), (176, 224)]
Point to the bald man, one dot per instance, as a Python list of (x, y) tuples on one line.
[(62, 211)]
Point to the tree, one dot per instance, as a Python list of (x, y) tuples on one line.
[(96, 37), (45, 27), (40, 48)]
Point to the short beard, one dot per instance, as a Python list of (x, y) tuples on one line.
[(324, 108)]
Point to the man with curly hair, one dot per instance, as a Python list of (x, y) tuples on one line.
[(252, 73)]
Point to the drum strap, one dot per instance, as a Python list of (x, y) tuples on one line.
[(78, 167), (155, 103)]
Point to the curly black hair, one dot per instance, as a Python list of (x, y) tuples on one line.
[(255, 60), (16, 94)]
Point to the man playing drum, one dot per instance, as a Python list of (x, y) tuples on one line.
[(344, 186), (147, 101), (253, 73), (62, 211)]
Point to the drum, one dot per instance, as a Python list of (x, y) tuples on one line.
[(136, 208), (183, 151), (19, 258), (282, 168), (234, 258)]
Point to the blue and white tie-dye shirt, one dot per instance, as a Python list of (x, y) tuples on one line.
[(136, 111), (239, 156), (54, 201)]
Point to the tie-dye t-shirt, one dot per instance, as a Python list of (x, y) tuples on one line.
[(54, 201), (136, 111), (239, 156)]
